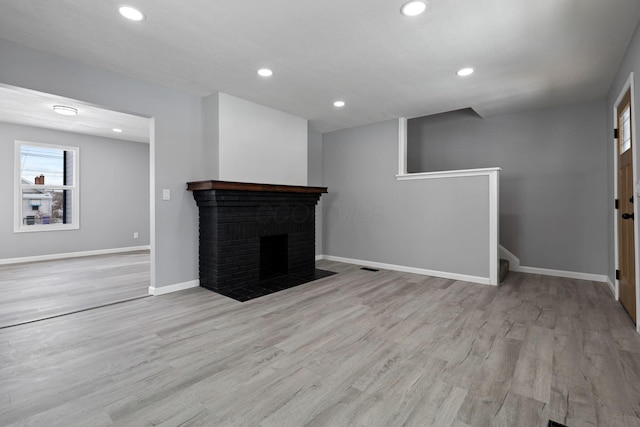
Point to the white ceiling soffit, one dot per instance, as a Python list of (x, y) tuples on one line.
[(527, 53), (32, 108)]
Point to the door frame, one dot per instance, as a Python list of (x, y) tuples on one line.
[(628, 86)]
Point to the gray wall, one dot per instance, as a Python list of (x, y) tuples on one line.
[(553, 191), (314, 170), (176, 153), (630, 63), (440, 225), (114, 194)]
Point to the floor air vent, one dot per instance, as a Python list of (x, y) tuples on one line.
[(369, 269), (555, 424)]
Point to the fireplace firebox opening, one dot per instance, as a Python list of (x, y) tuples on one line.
[(274, 256)]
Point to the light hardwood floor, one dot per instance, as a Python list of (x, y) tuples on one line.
[(354, 349), (38, 290)]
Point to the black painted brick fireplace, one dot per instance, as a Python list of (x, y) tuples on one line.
[(251, 233)]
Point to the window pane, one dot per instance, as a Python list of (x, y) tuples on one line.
[(46, 207), (625, 137), (50, 165), (69, 164)]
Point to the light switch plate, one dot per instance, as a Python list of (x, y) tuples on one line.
[(166, 194)]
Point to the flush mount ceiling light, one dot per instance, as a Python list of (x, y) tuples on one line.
[(339, 104), (117, 130), (64, 110), (464, 72), (413, 8), (131, 13), (265, 72)]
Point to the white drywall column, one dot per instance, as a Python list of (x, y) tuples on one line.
[(402, 146), (260, 144)]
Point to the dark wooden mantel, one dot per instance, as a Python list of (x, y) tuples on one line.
[(246, 186)]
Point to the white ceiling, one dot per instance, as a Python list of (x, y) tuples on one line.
[(32, 108), (527, 53)]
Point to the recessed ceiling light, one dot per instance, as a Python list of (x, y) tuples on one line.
[(413, 8), (464, 72), (339, 104), (64, 110), (131, 13), (117, 130), (265, 72)]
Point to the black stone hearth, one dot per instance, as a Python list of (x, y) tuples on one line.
[(270, 286), (256, 239)]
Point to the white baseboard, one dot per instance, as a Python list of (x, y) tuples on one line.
[(611, 287), (514, 261), (50, 257), (162, 290), (567, 274), (405, 269), (475, 279)]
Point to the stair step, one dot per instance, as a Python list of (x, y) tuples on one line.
[(504, 269)]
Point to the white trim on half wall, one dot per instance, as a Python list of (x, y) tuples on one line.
[(493, 174), (514, 261)]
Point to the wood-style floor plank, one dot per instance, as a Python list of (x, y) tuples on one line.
[(355, 349), (38, 290)]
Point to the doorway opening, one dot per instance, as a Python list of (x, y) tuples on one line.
[(107, 258)]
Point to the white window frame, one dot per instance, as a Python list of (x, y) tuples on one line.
[(18, 226)]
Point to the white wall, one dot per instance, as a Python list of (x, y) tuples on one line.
[(260, 144), (114, 195)]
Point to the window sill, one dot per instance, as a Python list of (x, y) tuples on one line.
[(40, 228)]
